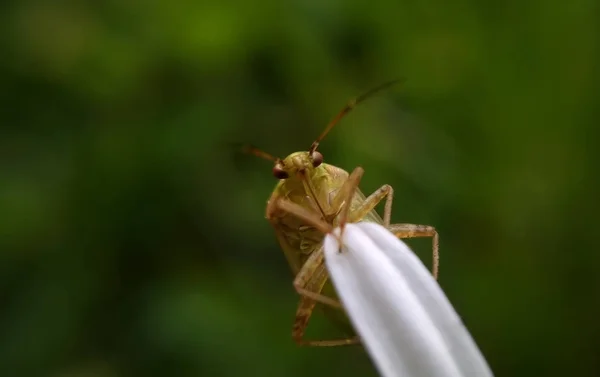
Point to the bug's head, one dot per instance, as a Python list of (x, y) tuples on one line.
[(297, 163)]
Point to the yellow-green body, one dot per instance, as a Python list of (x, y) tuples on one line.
[(310, 201), (298, 239)]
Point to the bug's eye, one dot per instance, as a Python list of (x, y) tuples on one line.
[(317, 158), (279, 173)]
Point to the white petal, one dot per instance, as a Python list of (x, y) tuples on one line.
[(404, 319)]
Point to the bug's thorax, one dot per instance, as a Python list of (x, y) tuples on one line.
[(306, 188)]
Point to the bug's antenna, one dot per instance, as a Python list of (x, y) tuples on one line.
[(250, 149), (349, 106)]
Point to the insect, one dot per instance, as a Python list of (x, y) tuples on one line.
[(310, 198)]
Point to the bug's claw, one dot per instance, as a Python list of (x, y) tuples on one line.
[(339, 245), (340, 237)]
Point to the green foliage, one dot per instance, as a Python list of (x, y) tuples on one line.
[(133, 240)]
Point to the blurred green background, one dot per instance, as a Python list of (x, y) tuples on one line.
[(132, 237)]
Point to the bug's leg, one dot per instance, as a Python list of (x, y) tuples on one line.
[(305, 309), (385, 191), (412, 231), (311, 278), (300, 212), (400, 230), (314, 284), (343, 199)]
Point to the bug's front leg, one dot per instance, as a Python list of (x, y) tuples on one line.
[(295, 209), (343, 199)]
